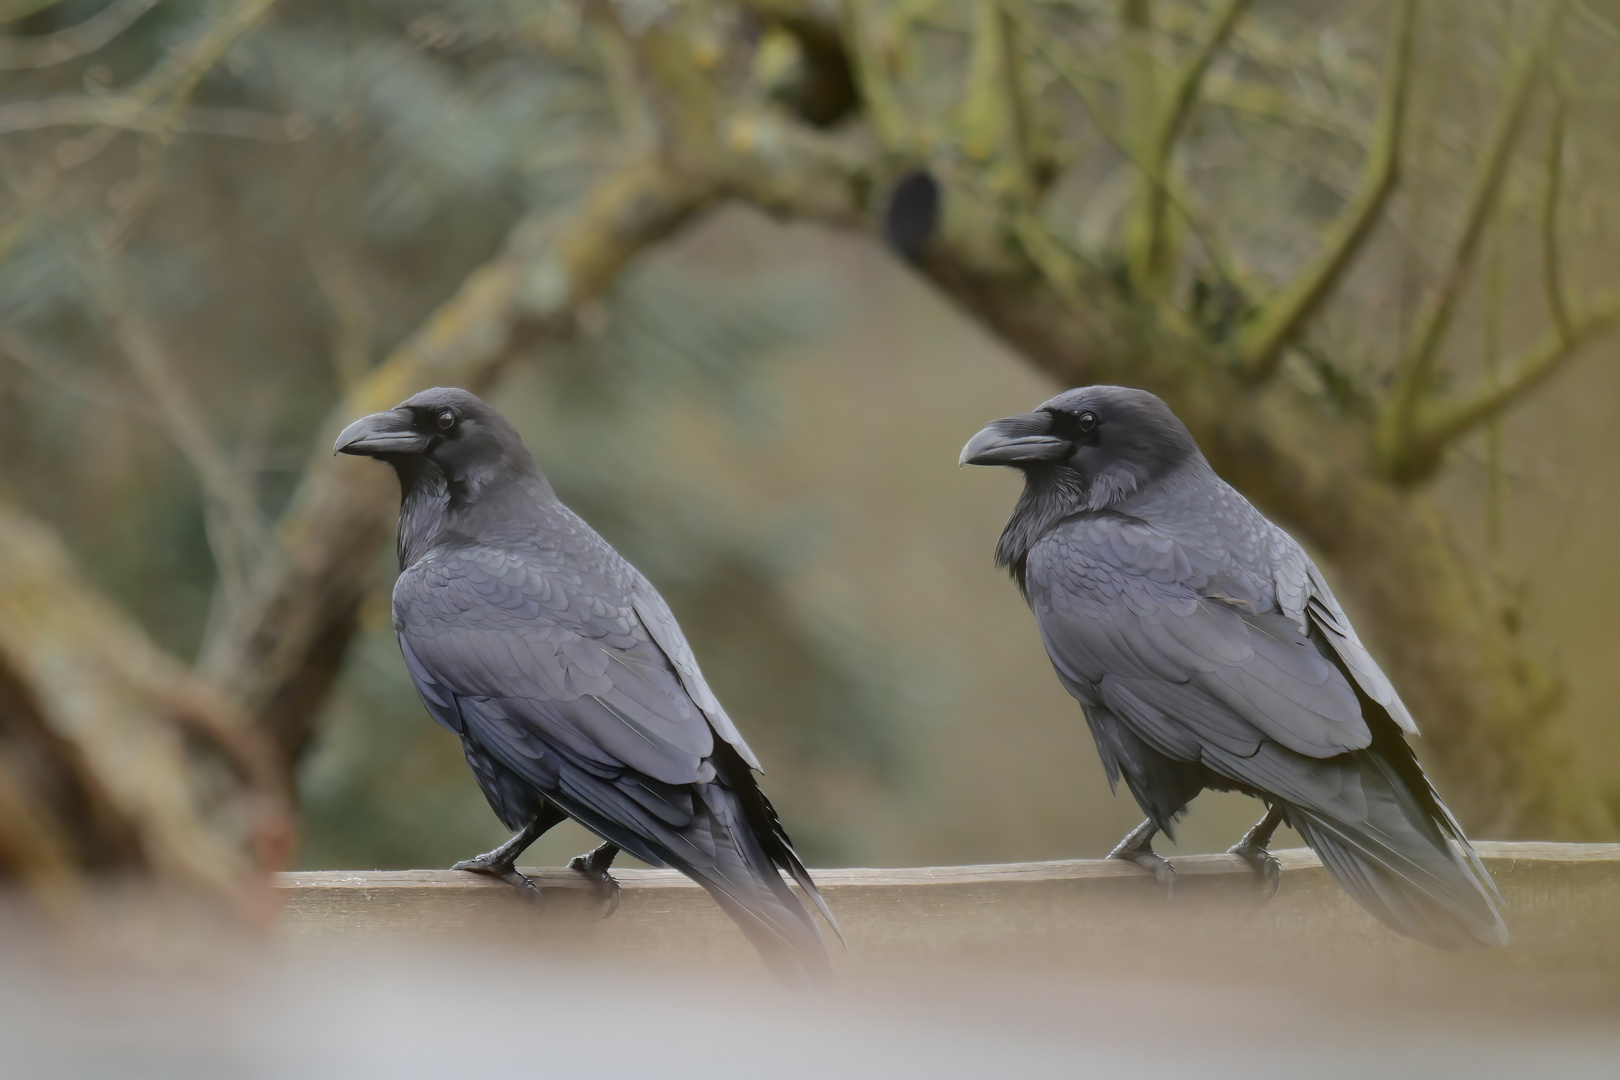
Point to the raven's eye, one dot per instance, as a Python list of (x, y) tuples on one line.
[(1088, 422), (447, 420)]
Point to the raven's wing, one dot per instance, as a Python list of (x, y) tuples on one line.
[(1303, 595), (552, 672), (1206, 665), (1182, 650), (482, 622), (666, 634)]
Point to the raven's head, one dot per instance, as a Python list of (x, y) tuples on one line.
[(1112, 439), (448, 447), (1085, 450), (444, 428)]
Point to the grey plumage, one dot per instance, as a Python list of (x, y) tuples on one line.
[(1207, 652), (566, 677)]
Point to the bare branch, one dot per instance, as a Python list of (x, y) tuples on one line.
[(11, 10), (1080, 79), (1416, 366), (18, 53), (1552, 261), (996, 117), (1261, 341), (174, 78), (1441, 423), (127, 114), (1152, 255), (883, 109), (238, 532), (118, 733)]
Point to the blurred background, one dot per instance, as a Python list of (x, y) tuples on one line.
[(746, 275)]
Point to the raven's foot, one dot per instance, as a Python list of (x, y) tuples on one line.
[(493, 864), (1137, 847), (1263, 863), (1252, 850), (595, 865)]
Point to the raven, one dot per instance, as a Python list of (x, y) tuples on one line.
[(1207, 652), (570, 684)]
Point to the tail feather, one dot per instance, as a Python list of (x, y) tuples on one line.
[(731, 844), (745, 880), (1408, 865)]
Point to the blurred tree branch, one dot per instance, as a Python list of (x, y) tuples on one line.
[(1402, 450), (106, 737), (75, 41), (1273, 326)]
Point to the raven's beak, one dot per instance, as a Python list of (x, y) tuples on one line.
[(1015, 440), (391, 432)]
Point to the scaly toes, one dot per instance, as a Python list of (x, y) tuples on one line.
[(607, 887), (1265, 867)]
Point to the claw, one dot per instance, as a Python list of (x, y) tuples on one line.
[(1264, 864), (491, 864), (1137, 847), (1153, 863), (594, 865)]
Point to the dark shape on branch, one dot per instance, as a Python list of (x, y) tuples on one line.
[(568, 681), (1207, 652), (912, 216)]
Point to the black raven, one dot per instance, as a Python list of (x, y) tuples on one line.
[(567, 679), (1207, 651)]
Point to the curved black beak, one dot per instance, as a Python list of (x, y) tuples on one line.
[(380, 434), (1015, 440)]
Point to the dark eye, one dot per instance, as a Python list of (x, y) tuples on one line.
[(447, 420), (1088, 422)]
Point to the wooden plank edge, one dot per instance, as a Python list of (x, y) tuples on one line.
[(1533, 852)]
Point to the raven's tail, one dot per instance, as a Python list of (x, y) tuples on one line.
[(724, 835), (740, 864), (1400, 853)]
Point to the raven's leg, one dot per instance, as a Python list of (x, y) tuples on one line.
[(1137, 847), (502, 862), (594, 864), (1252, 850)]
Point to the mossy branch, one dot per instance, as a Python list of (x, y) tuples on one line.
[(1438, 424), (1261, 342), (1552, 260), (881, 102), (1152, 255), (1398, 441)]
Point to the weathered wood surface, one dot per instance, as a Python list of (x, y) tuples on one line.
[(1562, 905)]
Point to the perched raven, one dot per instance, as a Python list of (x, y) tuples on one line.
[(1207, 651), (568, 681)]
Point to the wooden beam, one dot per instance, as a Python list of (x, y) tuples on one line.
[(1562, 905)]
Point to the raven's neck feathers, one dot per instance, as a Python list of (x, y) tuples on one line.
[(435, 510), (1050, 494), (1053, 493)]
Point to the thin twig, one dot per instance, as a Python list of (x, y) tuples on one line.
[(1261, 342), (22, 53), (1154, 256), (1414, 371), (237, 530), (1440, 423), (1552, 261), (174, 78), (125, 114), (882, 104), (1079, 80)]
